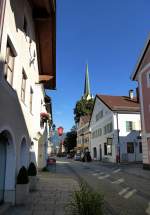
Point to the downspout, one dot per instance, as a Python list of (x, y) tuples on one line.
[(118, 142)]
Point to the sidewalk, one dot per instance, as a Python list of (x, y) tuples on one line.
[(53, 193)]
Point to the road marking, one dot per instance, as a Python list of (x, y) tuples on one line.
[(148, 209), (117, 170), (129, 194), (100, 173), (95, 174), (123, 191), (119, 181), (103, 177)]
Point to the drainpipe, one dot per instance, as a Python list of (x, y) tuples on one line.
[(118, 143)]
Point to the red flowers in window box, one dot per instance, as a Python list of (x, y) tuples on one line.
[(44, 116)]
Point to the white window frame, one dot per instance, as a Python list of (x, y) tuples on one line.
[(148, 79)]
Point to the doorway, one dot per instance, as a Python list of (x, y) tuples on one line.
[(3, 143), (100, 152)]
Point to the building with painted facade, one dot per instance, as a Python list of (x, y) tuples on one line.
[(27, 68), (141, 74), (115, 129), (83, 134)]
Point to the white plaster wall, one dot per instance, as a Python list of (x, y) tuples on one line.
[(14, 114), (125, 137), (94, 125)]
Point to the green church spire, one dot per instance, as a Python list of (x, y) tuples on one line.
[(87, 93)]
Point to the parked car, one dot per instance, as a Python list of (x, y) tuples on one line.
[(51, 160), (77, 157)]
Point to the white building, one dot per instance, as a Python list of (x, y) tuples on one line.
[(27, 68), (115, 129)]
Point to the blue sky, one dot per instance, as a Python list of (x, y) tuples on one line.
[(109, 35)]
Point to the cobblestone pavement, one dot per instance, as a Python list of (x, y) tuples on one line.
[(52, 196)]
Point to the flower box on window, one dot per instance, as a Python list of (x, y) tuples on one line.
[(44, 116)]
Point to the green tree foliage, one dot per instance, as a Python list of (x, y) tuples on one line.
[(82, 108), (70, 139)]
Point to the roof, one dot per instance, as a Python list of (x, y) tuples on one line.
[(120, 103), (44, 15), (143, 53)]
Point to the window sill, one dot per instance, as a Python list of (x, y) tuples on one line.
[(23, 102)]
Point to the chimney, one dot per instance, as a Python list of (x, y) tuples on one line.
[(137, 94), (131, 94)]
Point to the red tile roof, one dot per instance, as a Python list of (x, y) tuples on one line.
[(120, 103)]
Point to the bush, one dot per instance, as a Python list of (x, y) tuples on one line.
[(85, 201), (45, 169), (22, 177), (32, 171)]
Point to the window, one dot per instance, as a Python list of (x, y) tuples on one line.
[(129, 126), (31, 99), (99, 115), (130, 147), (140, 147), (9, 64), (105, 148), (108, 147), (148, 79), (23, 86), (108, 128), (95, 152)]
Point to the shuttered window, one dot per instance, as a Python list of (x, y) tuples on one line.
[(130, 147), (129, 126), (31, 100), (23, 86), (9, 64)]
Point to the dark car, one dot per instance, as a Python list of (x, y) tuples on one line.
[(51, 160)]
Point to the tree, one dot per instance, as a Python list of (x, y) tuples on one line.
[(70, 139), (83, 107)]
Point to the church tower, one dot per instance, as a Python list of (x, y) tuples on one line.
[(87, 93)]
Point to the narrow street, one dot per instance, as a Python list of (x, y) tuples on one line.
[(126, 189)]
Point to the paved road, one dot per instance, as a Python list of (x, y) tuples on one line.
[(126, 189)]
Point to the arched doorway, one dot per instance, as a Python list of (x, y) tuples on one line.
[(7, 167), (24, 153), (3, 144), (95, 153)]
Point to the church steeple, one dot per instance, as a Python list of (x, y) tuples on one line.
[(87, 93)]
